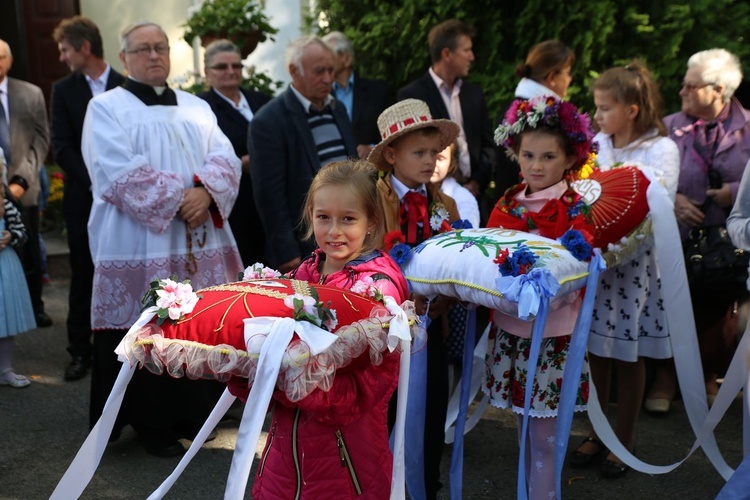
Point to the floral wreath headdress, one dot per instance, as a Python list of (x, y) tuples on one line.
[(550, 112)]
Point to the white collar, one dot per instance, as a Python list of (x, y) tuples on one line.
[(401, 188), (101, 79), (528, 88), (307, 103), (441, 84)]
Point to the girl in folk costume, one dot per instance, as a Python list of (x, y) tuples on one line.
[(414, 209), (629, 321), (334, 444), (552, 141), (16, 313)]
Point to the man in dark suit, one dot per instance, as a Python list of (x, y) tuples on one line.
[(289, 140), (235, 108), (80, 46), (449, 96), (24, 137), (364, 99)]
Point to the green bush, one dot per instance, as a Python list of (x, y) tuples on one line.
[(390, 38)]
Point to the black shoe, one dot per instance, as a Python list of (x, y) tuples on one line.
[(613, 470), (579, 460), (77, 369), (43, 320), (163, 447)]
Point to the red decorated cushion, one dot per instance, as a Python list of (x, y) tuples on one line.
[(218, 317), (618, 202), (209, 342)]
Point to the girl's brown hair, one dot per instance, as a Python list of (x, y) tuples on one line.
[(633, 84), (361, 177), (550, 56)]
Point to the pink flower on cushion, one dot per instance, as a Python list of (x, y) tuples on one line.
[(177, 298)]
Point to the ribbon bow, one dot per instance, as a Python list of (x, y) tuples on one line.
[(527, 289), (414, 210)]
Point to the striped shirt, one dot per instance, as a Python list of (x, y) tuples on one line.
[(327, 136)]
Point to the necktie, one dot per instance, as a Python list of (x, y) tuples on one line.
[(4, 133), (414, 210)]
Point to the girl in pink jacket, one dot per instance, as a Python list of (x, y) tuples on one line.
[(334, 444)]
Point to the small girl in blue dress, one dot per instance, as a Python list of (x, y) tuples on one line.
[(16, 312)]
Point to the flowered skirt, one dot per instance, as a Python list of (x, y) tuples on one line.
[(507, 371)]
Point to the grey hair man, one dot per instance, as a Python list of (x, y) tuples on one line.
[(289, 140)]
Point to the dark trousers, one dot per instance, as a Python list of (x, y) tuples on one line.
[(81, 284), (436, 406), (31, 257), (157, 406)]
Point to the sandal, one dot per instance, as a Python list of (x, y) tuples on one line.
[(11, 378), (579, 460), (613, 470)]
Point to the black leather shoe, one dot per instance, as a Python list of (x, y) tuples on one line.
[(77, 369), (163, 447), (43, 320)]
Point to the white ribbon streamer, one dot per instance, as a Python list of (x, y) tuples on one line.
[(86, 461), (84, 465), (221, 408), (679, 311), (280, 332)]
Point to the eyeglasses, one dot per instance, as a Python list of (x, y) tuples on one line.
[(689, 87), (162, 50), (224, 66)]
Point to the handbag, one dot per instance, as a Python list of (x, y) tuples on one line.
[(713, 264)]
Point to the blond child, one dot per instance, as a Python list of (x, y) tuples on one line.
[(414, 209)]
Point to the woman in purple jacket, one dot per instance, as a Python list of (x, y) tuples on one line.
[(712, 133)]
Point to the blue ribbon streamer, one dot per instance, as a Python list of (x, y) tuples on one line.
[(414, 427), (457, 456), (573, 367), (537, 335)]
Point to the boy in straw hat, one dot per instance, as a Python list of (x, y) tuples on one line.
[(414, 209)]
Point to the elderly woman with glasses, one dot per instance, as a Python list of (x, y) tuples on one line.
[(712, 132), (234, 108)]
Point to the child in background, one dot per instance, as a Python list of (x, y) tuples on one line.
[(550, 139), (446, 169), (338, 438), (16, 312), (629, 320), (415, 209), (444, 177)]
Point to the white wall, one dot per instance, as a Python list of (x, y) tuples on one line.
[(112, 16)]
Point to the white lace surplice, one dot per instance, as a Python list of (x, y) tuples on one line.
[(141, 159)]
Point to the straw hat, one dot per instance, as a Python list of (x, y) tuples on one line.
[(404, 117)]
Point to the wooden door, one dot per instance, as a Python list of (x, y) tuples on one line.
[(39, 20)]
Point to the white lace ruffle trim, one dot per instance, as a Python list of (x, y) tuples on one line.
[(301, 371)]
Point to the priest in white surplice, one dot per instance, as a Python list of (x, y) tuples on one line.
[(164, 179)]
